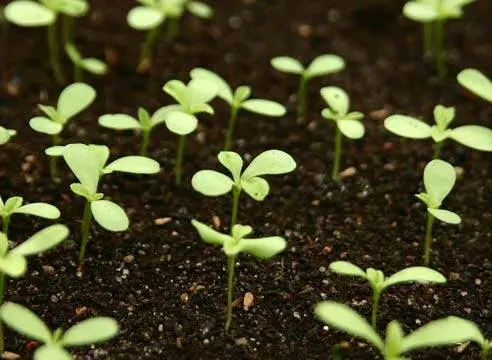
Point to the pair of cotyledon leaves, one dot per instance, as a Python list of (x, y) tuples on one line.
[(72, 100), (145, 122), (13, 262), (271, 162), (6, 134), (474, 136), (86, 332), (320, 66), (88, 163), (152, 13), (14, 205), (91, 65), (44, 12), (432, 10), (476, 82)]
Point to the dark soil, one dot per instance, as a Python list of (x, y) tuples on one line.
[(163, 285)]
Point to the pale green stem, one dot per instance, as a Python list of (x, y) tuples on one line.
[(172, 28), (2, 289), (55, 140), (54, 56), (67, 26), (485, 351), (440, 61), (302, 97), (235, 205), (179, 159), (148, 46), (231, 263), (337, 154), (86, 223), (78, 75), (145, 142), (437, 150), (5, 226), (375, 305), (428, 238), (230, 128), (428, 37)]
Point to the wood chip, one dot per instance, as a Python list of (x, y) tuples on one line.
[(216, 221), (248, 301), (162, 221), (80, 310), (348, 172)]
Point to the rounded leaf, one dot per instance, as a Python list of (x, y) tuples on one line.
[(346, 268), (44, 125), (473, 136), (233, 162), (178, 90), (420, 11), (109, 215), (51, 352), (55, 150), (75, 98), (5, 135), (337, 99), (74, 8), (181, 123), (352, 129), (476, 82), (94, 66), (209, 235), (418, 274), (324, 65), (211, 183), (201, 91), (73, 53), (287, 64), (224, 90), (134, 165), (160, 115), (90, 331), (256, 187), (447, 216), (13, 265), (28, 13), (264, 107), (270, 162), (144, 18), (25, 322), (439, 179), (119, 122), (407, 126), (42, 241), (200, 9), (263, 248), (42, 210), (84, 163)]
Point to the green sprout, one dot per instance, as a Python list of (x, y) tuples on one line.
[(347, 123), (441, 332), (474, 136), (45, 13), (379, 282), (233, 245), (434, 14), (92, 65), (439, 179), (320, 66), (214, 183), (6, 134), (13, 262), (87, 332), (239, 99), (72, 100), (88, 164), (14, 205), (144, 124), (477, 83), (180, 119)]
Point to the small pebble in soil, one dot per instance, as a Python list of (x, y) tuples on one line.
[(129, 259), (241, 341), (348, 172), (162, 221), (235, 22), (48, 270)]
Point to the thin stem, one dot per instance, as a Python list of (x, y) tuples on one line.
[(337, 154), (428, 37), (67, 26), (231, 262), (2, 289), (485, 352), (440, 61), (54, 57), (145, 142), (148, 46), (375, 305), (86, 222), (302, 98), (437, 150), (428, 238), (5, 227), (78, 74), (55, 140), (230, 128), (172, 28), (179, 159), (235, 205)]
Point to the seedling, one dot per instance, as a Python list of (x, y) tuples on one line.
[(14, 205), (233, 245), (239, 99), (379, 282), (439, 179), (86, 332), (347, 123), (88, 164), (320, 66), (214, 183), (442, 332), (477, 83), (92, 65), (193, 99), (13, 262), (474, 334), (474, 136), (6, 134), (145, 123), (72, 100), (434, 14), (45, 13)]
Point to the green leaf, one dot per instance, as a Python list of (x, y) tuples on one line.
[(407, 126), (119, 122), (73, 53), (473, 136), (211, 183), (144, 119), (81, 190), (134, 165), (415, 274), (201, 91), (324, 65), (201, 108), (439, 179), (90, 331), (287, 64), (50, 112), (270, 162), (55, 150), (346, 268), (144, 18), (13, 265), (256, 187), (40, 209), (420, 11), (447, 216), (200, 9), (94, 66), (51, 352), (476, 82), (224, 90), (443, 116), (13, 204), (83, 162), (394, 338), (240, 231), (181, 123), (25, 322), (178, 91), (109, 215), (5, 135), (263, 248), (209, 235), (42, 241), (44, 125), (73, 99), (344, 318), (337, 99), (264, 107), (28, 13), (467, 327), (241, 94), (233, 162), (352, 129), (75, 8)]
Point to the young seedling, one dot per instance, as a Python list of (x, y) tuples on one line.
[(214, 183), (13, 262), (474, 136), (6, 134), (379, 282), (145, 123), (72, 100), (442, 332), (14, 205), (439, 179), (434, 14), (92, 65), (193, 99), (477, 83), (239, 99), (233, 245), (30, 13), (86, 332), (88, 164), (320, 66), (347, 123), (474, 334)]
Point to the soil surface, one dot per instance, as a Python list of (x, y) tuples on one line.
[(164, 286)]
